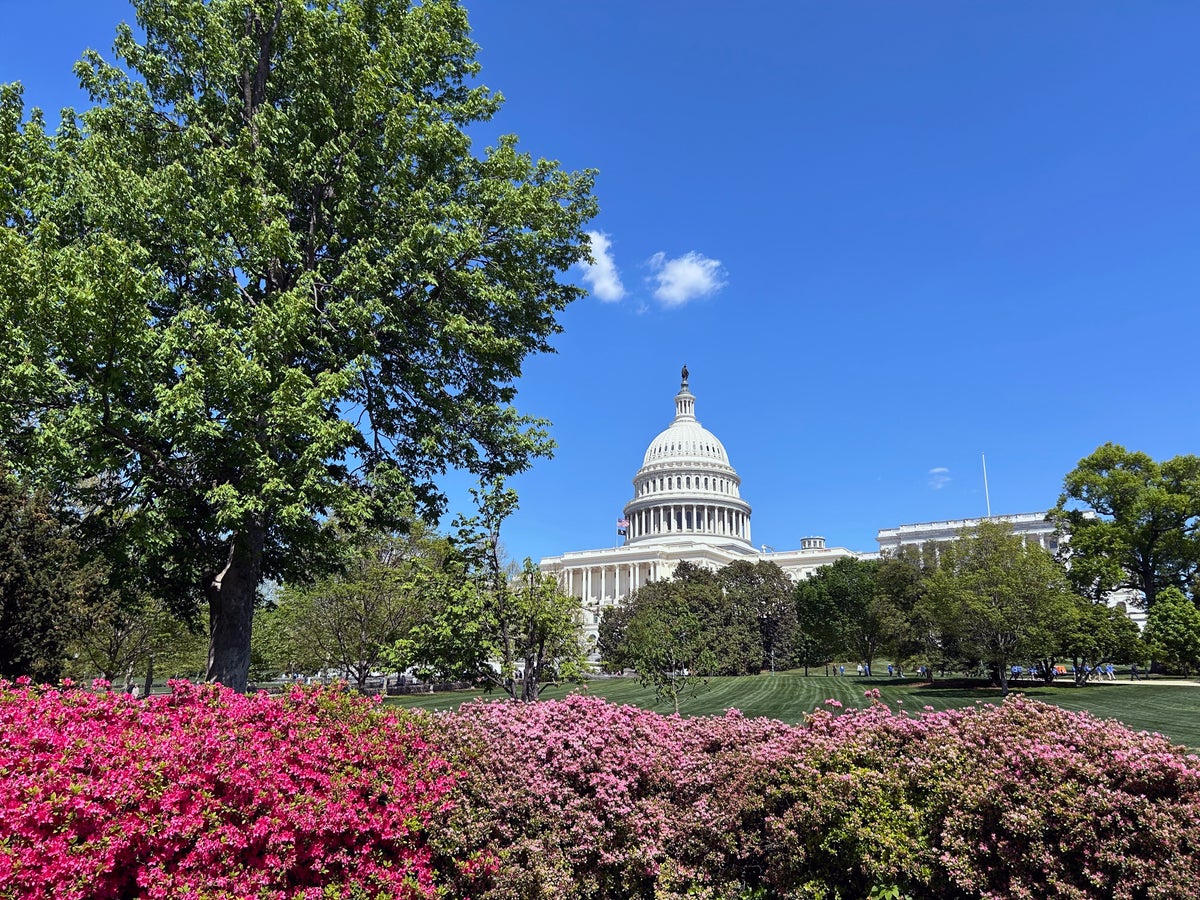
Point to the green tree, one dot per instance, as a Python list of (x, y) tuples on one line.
[(610, 640), (1172, 632), (858, 619), (545, 632), (42, 585), (1097, 633), (900, 579), (762, 591), (490, 623), (818, 637), (665, 641), (349, 621), (115, 638), (729, 637), (998, 598), (264, 281), (1133, 522)]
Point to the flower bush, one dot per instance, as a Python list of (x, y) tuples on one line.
[(581, 798), (205, 793)]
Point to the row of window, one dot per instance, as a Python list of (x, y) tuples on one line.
[(692, 447), (684, 483)]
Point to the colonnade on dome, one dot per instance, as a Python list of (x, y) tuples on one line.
[(688, 518)]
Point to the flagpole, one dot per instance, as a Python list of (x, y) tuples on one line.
[(986, 497)]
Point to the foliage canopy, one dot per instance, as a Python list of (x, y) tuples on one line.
[(1134, 522), (265, 281)]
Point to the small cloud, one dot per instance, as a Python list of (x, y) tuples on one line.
[(685, 278), (939, 477), (601, 275)]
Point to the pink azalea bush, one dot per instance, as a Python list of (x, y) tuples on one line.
[(205, 793), (581, 798)]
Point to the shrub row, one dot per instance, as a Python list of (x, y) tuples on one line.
[(586, 799), (203, 793)]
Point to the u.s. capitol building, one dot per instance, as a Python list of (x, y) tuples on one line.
[(687, 505)]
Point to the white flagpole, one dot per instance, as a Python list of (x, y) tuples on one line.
[(986, 497)]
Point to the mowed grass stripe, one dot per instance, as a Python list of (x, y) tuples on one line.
[(1170, 708)]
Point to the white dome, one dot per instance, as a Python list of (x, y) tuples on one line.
[(686, 442), (686, 489)]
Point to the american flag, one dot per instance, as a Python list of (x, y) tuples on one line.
[(622, 523)]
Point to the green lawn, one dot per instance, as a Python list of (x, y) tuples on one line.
[(1169, 707)]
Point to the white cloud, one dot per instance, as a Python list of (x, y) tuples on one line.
[(939, 477), (685, 278), (601, 276)]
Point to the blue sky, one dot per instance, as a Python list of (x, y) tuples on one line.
[(886, 238)]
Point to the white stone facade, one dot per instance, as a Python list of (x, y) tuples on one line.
[(1033, 527)]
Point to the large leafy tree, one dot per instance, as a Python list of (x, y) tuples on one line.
[(850, 615), (1097, 633), (265, 280), (900, 580), (1133, 522), (999, 599), (664, 638)]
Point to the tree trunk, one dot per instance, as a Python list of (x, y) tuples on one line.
[(231, 594), (149, 677), (533, 674)]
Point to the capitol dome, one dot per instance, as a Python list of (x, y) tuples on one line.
[(686, 489)]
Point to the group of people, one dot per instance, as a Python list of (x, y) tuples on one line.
[(1104, 671)]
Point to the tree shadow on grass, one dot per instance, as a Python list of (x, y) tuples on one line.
[(983, 689)]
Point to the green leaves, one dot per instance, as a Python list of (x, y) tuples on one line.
[(1173, 631), (1139, 527), (997, 598), (265, 271)]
